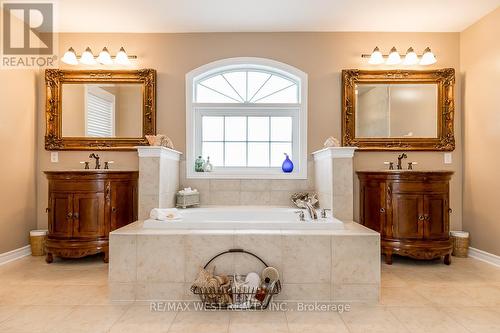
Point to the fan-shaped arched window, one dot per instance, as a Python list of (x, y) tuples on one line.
[(245, 114)]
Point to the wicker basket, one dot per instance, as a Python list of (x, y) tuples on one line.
[(37, 242), (460, 241), (188, 200)]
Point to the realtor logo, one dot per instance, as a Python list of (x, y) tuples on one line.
[(27, 28), (27, 34)]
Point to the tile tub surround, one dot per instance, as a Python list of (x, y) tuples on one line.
[(248, 192), (158, 178), (334, 265), (334, 177)]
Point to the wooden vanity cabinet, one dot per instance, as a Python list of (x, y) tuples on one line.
[(411, 211), (84, 207)]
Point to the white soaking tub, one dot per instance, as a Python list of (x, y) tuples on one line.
[(244, 218)]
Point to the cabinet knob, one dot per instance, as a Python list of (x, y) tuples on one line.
[(421, 218), (70, 215), (113, 209), (382, 210), (76, 216)]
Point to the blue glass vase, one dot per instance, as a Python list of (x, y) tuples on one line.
[(287, 165)]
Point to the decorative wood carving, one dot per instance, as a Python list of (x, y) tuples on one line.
[(54, 79), (445, 80)]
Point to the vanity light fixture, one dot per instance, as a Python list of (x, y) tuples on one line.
[(104, 57), (428, 57), (411, 57), (69, 57), (376, 58), (394, 57), (87, 57), (122, 57)]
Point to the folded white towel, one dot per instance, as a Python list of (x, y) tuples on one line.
[(164, 214)]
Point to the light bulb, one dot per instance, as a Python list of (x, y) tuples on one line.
[(428, 57), (411, 57), (394, 57), (122, 58), (69, 57), (87, 57), (376, 57), (104, 57)]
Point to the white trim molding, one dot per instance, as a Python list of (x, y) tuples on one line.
[(334, 152), (15, 254), (298, 113), (157, 151), (487, 257)]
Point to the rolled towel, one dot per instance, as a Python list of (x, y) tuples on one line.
[(164, 214)]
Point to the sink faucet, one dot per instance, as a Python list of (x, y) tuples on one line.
[(310, 209), (400, 158), (96, 157)]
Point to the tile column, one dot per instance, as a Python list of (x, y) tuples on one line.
[(334, 180), (158, 178)]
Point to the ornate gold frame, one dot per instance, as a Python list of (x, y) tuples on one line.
[(54, 78), (445, 80)]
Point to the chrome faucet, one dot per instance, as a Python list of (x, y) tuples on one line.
[(311, 210), (400, 158), (97, 158)]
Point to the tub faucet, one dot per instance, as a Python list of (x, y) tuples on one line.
[(400, 159), (310, 209), (96, 157)]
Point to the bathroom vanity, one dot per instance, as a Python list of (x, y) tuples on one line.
[(84, 207), (410, 209)]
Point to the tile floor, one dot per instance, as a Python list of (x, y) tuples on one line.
[(72, 296)]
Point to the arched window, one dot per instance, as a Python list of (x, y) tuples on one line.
[(245, 114)]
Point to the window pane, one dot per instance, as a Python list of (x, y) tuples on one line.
[(236, 154), (258, 154), (278, 151), (281, 128), (236, 129), (258, 128), (205, 95), (219, 84), (274, 84), (215, 151), (288, 95), (213, 128), (255, 82), (239, 82)]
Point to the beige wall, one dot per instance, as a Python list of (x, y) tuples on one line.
[(321, 55), (18, 166), (480, 71)]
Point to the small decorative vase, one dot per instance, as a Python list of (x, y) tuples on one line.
[(287, 165), (207, 166), (198, 164)]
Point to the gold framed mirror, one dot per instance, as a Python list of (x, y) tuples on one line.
[(398, 109), (99, 110)]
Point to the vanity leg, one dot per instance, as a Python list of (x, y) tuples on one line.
[(388, 257), (106, 256), (49, 258), (447, 259)]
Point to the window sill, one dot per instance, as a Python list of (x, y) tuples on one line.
[(264, 174)]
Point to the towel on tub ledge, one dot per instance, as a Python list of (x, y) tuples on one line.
[(165, 214)]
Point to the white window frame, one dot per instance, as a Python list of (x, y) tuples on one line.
[(297, 111)]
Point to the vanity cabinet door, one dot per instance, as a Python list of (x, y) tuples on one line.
[(88, 215), (407, 216), (436, 216), (61, 214), (372, 198), (123, 208)]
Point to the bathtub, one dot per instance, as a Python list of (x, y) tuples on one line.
[(244, 218)]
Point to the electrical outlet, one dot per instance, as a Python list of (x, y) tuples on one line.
[(54, 157), (447, 158)]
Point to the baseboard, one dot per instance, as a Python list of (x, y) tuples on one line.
[(15, 254), (487, 257)]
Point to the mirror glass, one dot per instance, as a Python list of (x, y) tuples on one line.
[(102, 110), (396, 110)]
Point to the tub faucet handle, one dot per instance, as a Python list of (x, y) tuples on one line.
[(302, 216), (323, 212)]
